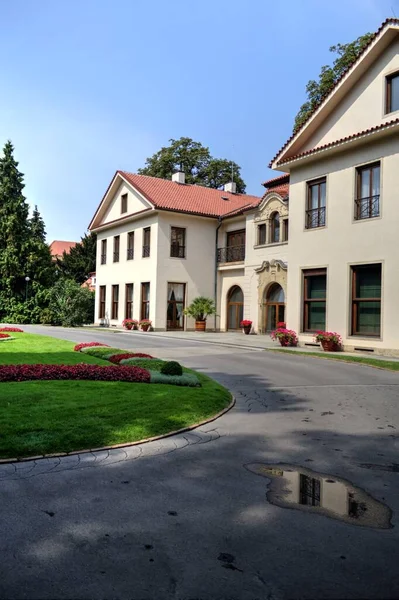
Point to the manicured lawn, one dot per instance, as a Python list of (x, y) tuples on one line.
[(390, 365), (42, 417)]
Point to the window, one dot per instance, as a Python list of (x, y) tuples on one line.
[(129, 301), (124, 203), (316, 204), (145, 301), (366, 300), (101, 306), (275, 228), (392, 93), (115, 301), (314, 299), (175, 306), (146, 241), (116, 248), (367, 202), (262, 234), (178, 242), (130, 245), (103, 252), (285, 230)]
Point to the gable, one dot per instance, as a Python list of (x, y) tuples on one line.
[(363, 107), (110, 208), (270, 204)]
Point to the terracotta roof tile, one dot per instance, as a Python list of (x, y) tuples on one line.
[(342, 140), (389, 21), (165, 194), (276, 180), (58, 247)]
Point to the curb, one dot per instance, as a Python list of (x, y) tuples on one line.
[(5, 461)]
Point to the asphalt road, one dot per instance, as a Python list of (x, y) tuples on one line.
[(184, 519)]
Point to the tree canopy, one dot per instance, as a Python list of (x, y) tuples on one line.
[(81, 259), (195, 160), (329, 75)]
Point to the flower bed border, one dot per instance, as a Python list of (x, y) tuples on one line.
[(18, 373)]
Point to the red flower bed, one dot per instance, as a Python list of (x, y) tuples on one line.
[(116, 358), (4, 335), (12, 329), (76, 372), (78, 347)]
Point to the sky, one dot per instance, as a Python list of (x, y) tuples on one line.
[(92, 86)]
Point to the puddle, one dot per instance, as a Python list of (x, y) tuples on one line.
[(302, 489)]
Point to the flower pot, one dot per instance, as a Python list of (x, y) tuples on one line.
[(200, 325), (145, 327), (330, 346), (283, 342), (247, 329), (129, 327)]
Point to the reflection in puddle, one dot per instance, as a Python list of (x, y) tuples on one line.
[(303, 489)]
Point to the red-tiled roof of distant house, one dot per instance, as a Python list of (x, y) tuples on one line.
[(58, 247), (165, 194)]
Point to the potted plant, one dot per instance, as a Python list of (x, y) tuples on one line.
[(330, 341), (130, 324), (145, 324), (246, 326), (286, 337), (199, 309), (281, 325)]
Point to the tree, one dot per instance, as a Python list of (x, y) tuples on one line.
[(195, 160), (81, 259), (14, 228), (329, 75), (37, 227), (69, 305), (40, 266)]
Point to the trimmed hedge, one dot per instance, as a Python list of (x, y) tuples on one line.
[(79, 347), (117, 358), (73, 372), (102, 351), (172, 368), (155, 364), (187, 379)]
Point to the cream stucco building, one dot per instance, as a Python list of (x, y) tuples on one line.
[(318, 251)]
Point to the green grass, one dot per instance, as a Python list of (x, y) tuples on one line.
[(390, 365), (42, 417)]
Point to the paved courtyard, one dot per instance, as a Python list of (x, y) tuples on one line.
[(185, 518)]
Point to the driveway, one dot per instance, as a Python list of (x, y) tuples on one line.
[(187, 517)]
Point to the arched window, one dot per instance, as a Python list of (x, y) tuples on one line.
[(275, 228), (235, 307), (274, 306)]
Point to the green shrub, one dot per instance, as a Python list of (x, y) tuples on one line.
[(172, 368), (70, 305), (153, 364), (102, 351), (187, 379)]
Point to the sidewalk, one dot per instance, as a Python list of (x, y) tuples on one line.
[(237, 340)]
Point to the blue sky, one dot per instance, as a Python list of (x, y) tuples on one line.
[(91, 86)]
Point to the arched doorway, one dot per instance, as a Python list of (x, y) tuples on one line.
[(273, 306), (235, 307)]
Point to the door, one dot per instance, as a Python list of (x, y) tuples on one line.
[(235, 307), (274, 307), (175, 307)]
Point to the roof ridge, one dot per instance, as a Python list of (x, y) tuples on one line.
[(388, 21), (275, 179)]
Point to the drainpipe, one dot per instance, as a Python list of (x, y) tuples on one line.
[(216, 265)]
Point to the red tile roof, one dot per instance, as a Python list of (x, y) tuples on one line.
[(165, 194), (276, 180), (348, 138), (389, 21), (58, 247)]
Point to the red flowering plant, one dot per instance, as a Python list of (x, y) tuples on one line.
[(12, 329), (130, 324), (245, 323), (73, 372), (4, 336), (330, 340), (79, 347), (116, 358), (281, 325), (145, 324), (286, 337)]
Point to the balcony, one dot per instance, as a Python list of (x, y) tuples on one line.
[(146, 251), (316, 217), (367, 208), (116, 257), (231, 254), (130, 254)]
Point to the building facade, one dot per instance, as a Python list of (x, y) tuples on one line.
[(317, 251)]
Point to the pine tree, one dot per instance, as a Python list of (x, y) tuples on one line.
[(14, 229), (37, 227), (40, 265)]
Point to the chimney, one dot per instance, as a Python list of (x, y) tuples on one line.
[(230, 187), (179, 177)]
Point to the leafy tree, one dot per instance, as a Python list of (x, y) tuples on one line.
[(81, 259), (14, 228), (69, 305), (195, 160), (329, 75), (37, 227), (40, 266)]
